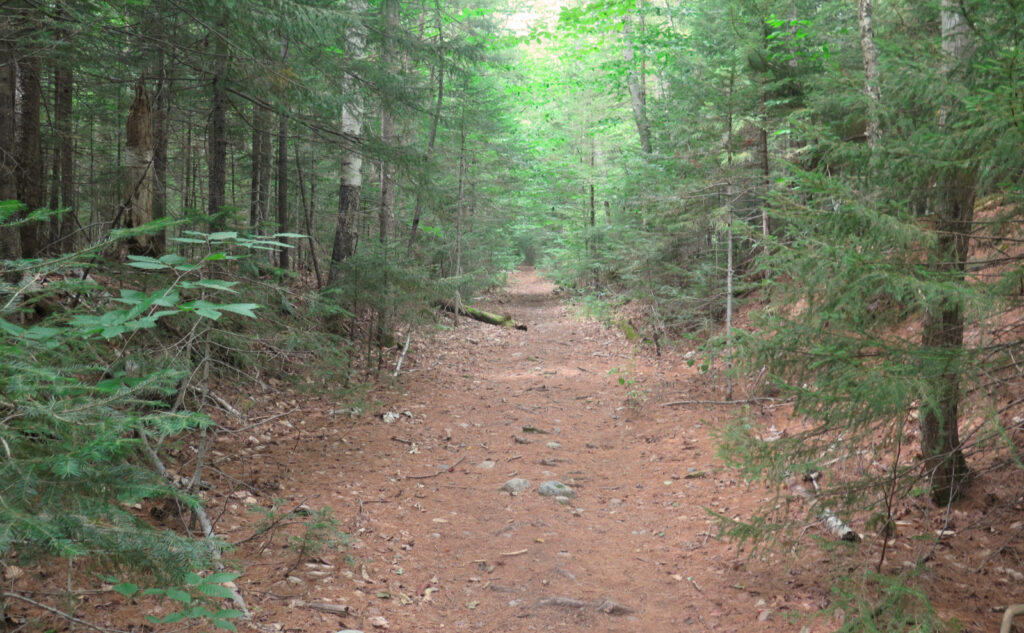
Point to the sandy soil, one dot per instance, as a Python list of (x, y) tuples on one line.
[(439, 547)]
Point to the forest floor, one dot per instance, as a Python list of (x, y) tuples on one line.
[(436, 545)]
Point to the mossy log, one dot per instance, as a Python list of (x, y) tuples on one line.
[(491, 318)]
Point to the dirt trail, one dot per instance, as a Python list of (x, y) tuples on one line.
[(438, 548)]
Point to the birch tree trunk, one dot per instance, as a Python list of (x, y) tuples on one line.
[(943, 331), (351, 177), (869, 52)]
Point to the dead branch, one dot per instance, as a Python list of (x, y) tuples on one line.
[(405, 348), (604, 606), (204, 521), (1012, 611), (678, 403), (58, 612), (443, 470)]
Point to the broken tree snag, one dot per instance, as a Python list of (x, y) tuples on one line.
[(139, 163), (504, 320), (834, 524)]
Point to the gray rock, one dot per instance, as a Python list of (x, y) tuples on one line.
[(562, 500), (554, 445), (485, 465), (615, 502), (556, 489), (515, 486)]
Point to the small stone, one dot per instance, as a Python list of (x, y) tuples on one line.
[(554, 445), (764, 616), (515, 486), (615, 502), (556, 489), (295, 580), (485, 465), (562, 500)]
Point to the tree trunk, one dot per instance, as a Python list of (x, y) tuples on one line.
[(64, 240), (345, 234), (30, 152), (943, 332), (459, 195), (218, 138), (307, 213), (766, 228), (10, 239), (388, 133), (869, 52), (435, 118), (259, 198), (139, 164), (282, 187), (634, 81), (160, 142)]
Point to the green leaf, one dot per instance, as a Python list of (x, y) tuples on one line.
[(146, 263), (216, 591), (245, 309), (214, 284), (40, 333), (224, 614), (177, 616), (11, 328), (198, 611), (193, 578), (224, 576), (126, 588), (172, 259), (223, 235), (298, 236), (179, 595)]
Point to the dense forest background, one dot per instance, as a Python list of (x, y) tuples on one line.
[(202, 189)]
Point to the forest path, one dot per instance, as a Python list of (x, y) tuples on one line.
[(437, 548)]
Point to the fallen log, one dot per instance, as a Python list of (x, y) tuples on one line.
[(491, 318)]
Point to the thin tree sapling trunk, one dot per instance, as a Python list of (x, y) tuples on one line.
[(282, 187)]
